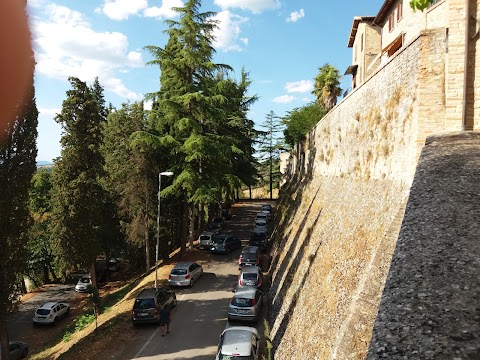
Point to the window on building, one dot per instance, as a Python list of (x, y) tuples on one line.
[(434, 2), (391, 22), (400, 11), (361, 44), (355, 53)]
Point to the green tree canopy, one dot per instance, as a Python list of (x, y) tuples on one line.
[(300, 121), (77, 193)]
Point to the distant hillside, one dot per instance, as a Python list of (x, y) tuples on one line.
[(44, 163)]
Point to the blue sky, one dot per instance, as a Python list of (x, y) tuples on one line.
[(280, 43)]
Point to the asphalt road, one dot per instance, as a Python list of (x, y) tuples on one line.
[(201, 314)]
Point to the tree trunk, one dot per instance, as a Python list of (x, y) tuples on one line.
[(52, 273), (46, 278), (93, 274), (4, 353), (24, 287), (250, 191), (185, 228), (191, 227), (147, 236)]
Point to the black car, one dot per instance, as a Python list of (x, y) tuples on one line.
[(259, 239), (226, 214), (223, 244), (147, 305)]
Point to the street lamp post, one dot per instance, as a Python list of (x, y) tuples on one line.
[(166, 173)]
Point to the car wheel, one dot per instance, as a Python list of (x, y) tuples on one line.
[(55, 320), (25, 353), (174, 303), (68, 312), (191, 283)]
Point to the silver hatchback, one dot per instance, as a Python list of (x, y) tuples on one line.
[(245, 305), (185, 274), (250, 276)]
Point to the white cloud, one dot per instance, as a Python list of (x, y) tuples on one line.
[(163, 12), (255, 6), (228, 30), (284, 99), (301, 86), (66, 45), (122, 9), (50, 112), (296, 15), (147, 105)]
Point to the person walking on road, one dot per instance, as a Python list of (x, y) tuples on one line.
[(165, 318)]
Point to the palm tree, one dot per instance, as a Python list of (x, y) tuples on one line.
[(327, 86)]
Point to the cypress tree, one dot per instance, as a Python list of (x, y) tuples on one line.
[(18, 151), (77, 193)]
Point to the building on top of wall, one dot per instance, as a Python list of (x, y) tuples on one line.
[(398, 26), (365, 42)]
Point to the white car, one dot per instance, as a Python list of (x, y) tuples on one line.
[(260, 226), (50, 312), (83, 283)]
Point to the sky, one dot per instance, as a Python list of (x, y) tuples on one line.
[(280, 43)]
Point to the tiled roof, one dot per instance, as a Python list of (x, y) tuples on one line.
[(384, 11), (356, 21)]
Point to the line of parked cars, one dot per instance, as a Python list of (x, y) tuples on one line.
[(236, 342), (239, 341)]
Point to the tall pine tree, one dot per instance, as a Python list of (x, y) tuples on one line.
[(18, 151), (77, 193)]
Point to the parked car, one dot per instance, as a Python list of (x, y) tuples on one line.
[(259, 238), (223, 244), (220, 221), (50, 312), (205, 240), (250, 276), (113, 264), (262, 216), (147, 305), (83, 283), (17, 350), (267, 207), (214, 228), (260, 225), (238, 342), (185, 274), (226, 214), (245, 305), (249, 256)]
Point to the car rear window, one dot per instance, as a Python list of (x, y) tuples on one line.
[(179, 272), (250, 276), (43, 311), (234, 357), (144, 304), (204, 237), (242, 302)]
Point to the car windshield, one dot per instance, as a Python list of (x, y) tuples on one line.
[(43, 311), (234, 357), (260, 223), (84, 280), (241, 302), (141, 304), (250, 276), (179, 272)]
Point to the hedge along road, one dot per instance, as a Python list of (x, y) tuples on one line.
[(201, 314)]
